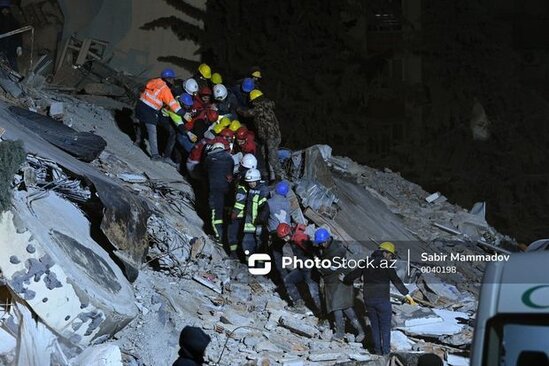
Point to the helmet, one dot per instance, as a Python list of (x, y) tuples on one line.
[(191, 86), (252, 175), (283, 230), (186, 99), (218, 128), (216, 78), (218, 146), (242, 133), (212, 115), (165, 74), (248, 85), (257, 74), (227, 133), (249, 161), (255, 94), (235, 125), (205, 90), (225, 122), (219, 91), (205, 71), (282, 188), (321, 235), (388, 247)]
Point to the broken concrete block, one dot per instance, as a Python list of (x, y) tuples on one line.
[(57, 110), (231, 317), (100, 355), (104, 89), (132, 177), (319, 357), (399, 342), (69, 281), (455, 360), (266, 346), (298, 327), (360, 356), (433, 197), (291, 362)]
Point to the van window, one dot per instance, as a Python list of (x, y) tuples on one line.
[(517, 340)]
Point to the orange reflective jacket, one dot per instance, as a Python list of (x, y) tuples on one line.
[(157, 93)]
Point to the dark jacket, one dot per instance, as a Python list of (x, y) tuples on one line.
[(228, 106), (338, 295), (377, 280), (193, 342), (219, 166)]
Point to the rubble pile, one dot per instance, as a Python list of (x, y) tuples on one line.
[(111, 256)]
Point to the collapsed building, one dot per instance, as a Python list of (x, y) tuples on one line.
[(105, 259)]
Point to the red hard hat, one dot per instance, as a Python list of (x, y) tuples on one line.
[(283, 230), (212, 115), (242, 133), (205, 91), (227, 133)]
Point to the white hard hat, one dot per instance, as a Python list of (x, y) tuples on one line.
[(220, 92), (249, 161), (191, 86), (252, 175), (216, 147)]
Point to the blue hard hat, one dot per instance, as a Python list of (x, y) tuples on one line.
[(321, 235), (282, 188), (186, 99), (248, 85), (167, 73)]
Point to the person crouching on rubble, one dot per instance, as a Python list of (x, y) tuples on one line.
[(377, 279), (339, 296), (192, 342)]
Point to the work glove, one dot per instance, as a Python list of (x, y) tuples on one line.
[(188, 116), (181, 129), (409, 300), (19, 51), (341, 277), (192, 136)]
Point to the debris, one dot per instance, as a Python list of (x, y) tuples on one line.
[(207, 281), (447, 229), (57, 110), (104, 89), (319, 357), (298, 327), (399, 341), (231, 317), (455, 360), (99, 355), (433, 197), (132, 177)]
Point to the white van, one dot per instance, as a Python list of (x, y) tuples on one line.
[(512, 325)]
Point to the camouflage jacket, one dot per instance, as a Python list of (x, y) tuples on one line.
[(265, 119)]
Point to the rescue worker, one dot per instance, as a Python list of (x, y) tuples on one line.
[(195, 155), (249, 199), (268, 130), (377, 279), (156, 94), (245, 140), (241, 92), (11, 47), (255, 74), (186, 137), (276, 211), (228, 135), (338, 295), (302, 250), (190, 86), (202, 101), (225, 101), (192, 342), (219, 167), (216, 79), (203, 75)]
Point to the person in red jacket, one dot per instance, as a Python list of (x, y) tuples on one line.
[(301, 247), (202, 100), (245, 140)]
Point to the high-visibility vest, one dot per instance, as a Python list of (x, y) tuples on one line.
[(157, 93), (247, 205), (176, 118)]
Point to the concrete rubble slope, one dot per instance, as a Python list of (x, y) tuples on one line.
[(52, 263)]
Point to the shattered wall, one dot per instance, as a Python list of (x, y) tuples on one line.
[(119, 22)]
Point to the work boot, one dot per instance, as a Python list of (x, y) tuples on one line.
[(360, 336), (156, 157), (299, 307), (338, 337)]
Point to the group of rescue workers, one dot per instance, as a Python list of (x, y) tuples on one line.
[(236, 159)]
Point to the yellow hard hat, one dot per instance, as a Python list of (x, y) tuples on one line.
[(225, 122), (216, 78), (255, 94), (217, 128), (235, 125), (256, 74), (205, 71), (388, 246)]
